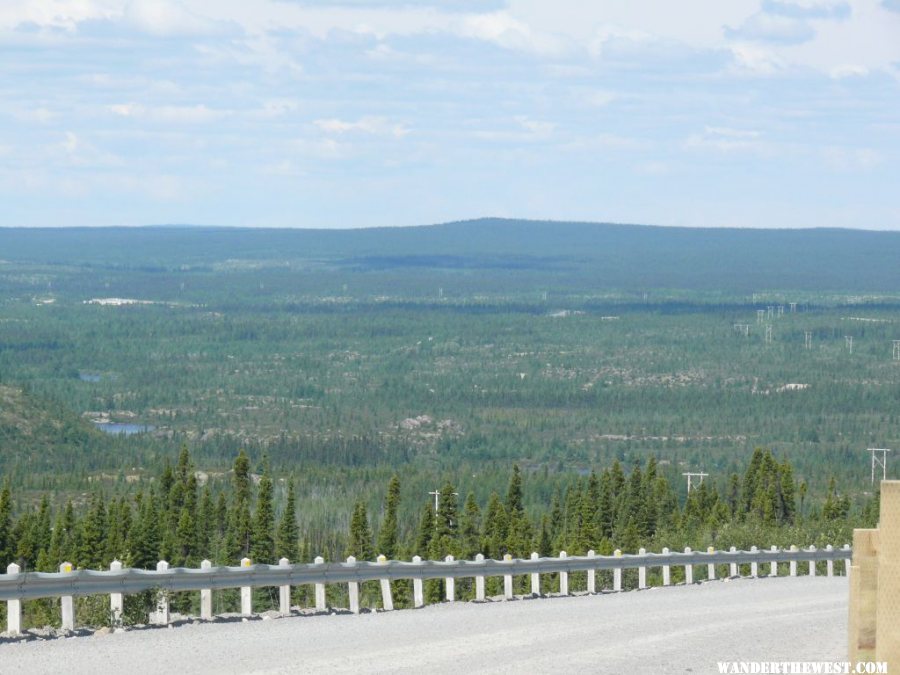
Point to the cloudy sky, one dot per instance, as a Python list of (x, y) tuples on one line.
[(751, 113)]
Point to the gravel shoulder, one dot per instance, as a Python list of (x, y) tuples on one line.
[(660, 630)]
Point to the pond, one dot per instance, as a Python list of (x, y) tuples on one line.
[(89, 377), (123, 428)]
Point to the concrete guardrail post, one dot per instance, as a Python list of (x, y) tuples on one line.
[(617, 572), (162, 598), (353, 588), (13, 607), (591, 575), (642, 571), (563, 576), (829, 564), (733, 570), (66, 603), (711, 567), (450, 583), (507, 580), (206, 596), (116, 600), (535, 578), (320, 588), (666, 570), (688, 569), (387, 599), (754, 566), (284, 592), (773, 566), (479, 580), (793, 563), (418, 594), (246, 592), (812, 563)]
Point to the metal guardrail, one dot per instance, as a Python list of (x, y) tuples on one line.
[(32, 585)]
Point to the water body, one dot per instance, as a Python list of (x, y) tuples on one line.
[(89, 377), (123, 428)]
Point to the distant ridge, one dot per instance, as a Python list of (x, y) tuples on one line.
[(599, 254)]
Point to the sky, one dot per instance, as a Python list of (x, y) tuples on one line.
[(351, 113)]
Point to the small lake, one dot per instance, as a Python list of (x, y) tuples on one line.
[(89, 377), (123, 428)]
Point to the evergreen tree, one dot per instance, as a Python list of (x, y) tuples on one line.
[(470, 535), (425, 531), (388, 534), (6, 543), (359, 543), (263, 543), (288, 539)]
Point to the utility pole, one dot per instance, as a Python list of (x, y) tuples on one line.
[(691, 475), (768, 333), (879, 462), (848, 340), (896, 350), (808, 335)]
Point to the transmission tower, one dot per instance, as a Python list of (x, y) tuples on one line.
[(896, 350), (780, 310), (691, 475), (437, 498), (768, 333), (848, 341), (879, 462), (760, 315), (793, 307), (808, 335)]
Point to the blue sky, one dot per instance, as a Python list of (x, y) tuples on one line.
[(310, 113)]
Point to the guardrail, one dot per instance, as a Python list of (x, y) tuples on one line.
[(16, 586)]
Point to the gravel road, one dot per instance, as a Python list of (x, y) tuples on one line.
[(661, 630)]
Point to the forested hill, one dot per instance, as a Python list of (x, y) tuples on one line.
[(596, 254)]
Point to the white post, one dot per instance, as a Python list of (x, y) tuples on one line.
[(206, 596), (710, 567), (284, 592), (479, 581), (829, 565), (688, 569), (734, 566), (535, 578), (387, 600), (246, 593), (666, 570), (13, 607), (563, 576), (617, 573), (754, 566), (773, 566), (793, 564), (450, 583), (591, 575), (353, 588), (418, 595), (162, 598), (67, 607), (642, 571), (116, 600), (847, 561), (812, 563), (320, 588), (507, 580)]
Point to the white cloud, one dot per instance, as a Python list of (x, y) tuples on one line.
[(850, 159), (376, 126), (727, 141), (764, 27), (174, 114)]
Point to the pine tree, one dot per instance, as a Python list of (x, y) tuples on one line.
[(388, 534), (359, 543), (263, 545), (425, 531), (287, 541), (469, 534)]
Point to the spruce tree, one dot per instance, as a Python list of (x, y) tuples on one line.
[(287, 541), (359, 544), (388, 534), (263, 545), (425, 530), (469, 529)]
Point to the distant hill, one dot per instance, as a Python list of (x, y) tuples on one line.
[(596, 254)]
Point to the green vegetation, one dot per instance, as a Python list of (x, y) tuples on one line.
[(329, 362)]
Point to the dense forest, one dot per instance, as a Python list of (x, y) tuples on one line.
[(602, 360), (183, 522)]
